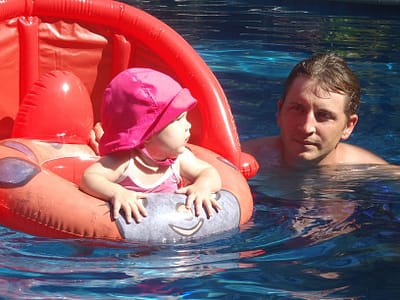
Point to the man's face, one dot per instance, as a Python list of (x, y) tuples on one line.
[(312, 123)]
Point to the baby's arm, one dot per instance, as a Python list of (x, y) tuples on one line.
[(99, 180), (205, 181)]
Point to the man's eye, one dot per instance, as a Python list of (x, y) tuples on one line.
[(296, 108), (324, 115)]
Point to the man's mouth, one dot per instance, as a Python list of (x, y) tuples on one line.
[(305, 142)]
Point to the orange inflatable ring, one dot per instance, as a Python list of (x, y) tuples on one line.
[(40, 169), (57, 56)]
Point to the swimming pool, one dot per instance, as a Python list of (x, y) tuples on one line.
[(313, 235)]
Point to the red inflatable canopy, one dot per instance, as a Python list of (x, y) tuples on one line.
[(96, 39)]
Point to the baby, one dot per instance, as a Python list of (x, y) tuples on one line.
[(143, 148)]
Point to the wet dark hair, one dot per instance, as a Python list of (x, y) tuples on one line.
[(332, 74)]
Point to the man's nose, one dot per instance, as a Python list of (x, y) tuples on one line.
[(309, 123)]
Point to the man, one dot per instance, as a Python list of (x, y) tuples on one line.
[(317, 112)]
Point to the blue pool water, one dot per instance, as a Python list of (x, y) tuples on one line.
[(324, 234)]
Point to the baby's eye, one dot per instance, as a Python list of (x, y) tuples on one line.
[(181, 116)]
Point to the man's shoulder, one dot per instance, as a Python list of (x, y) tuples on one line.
[(264, 149), (352, 154), (254, 145)]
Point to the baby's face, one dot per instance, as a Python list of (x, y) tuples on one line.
[(171, 141)]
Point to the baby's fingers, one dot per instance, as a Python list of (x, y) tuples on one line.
[(139, 204), (215, 204), (116, 207), (138, 210), (189, 201), (210, 205), (207, 208), (133, 211)]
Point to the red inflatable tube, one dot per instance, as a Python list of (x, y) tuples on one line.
[(57, 56)]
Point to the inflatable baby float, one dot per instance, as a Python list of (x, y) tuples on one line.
[(57, 58)]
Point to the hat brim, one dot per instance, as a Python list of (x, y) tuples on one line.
[(181, 103)]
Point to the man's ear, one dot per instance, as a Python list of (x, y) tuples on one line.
[(351, 124), (279, 107), (280, 103)]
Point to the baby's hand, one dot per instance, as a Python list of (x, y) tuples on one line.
[(95, 136), (131, 203), (200, 199)]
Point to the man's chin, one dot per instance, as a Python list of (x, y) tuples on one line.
[(303, 161)]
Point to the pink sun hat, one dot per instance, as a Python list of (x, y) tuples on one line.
[(138, 103)]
